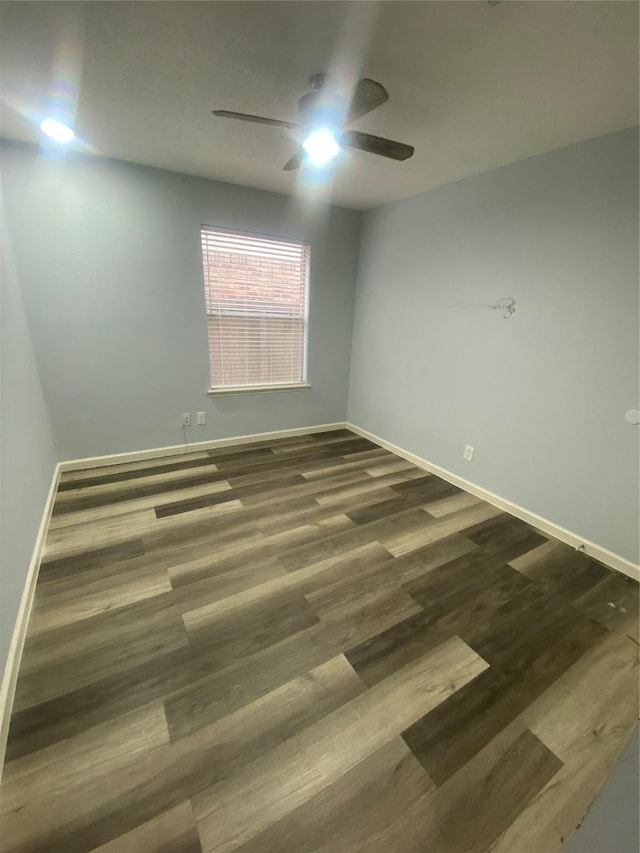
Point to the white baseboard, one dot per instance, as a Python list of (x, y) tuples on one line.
[(12, 666), (177, 449), (614, 561)]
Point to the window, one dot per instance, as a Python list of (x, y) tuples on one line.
[(256, 297)]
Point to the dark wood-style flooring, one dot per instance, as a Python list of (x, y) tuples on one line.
[(310, 645)]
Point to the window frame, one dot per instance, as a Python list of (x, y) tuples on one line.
[(222, 390)]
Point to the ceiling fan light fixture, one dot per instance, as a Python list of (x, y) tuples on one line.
[(56, 130), (320, 133), (321, 146)]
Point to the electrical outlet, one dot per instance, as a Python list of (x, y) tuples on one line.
[(468, 452), (186, 419), (201, 418)]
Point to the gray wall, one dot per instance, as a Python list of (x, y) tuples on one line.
[(109, 260), (540, 396), (27, 454), (109, 255)]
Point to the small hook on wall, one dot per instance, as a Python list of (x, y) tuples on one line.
[(507, 306)]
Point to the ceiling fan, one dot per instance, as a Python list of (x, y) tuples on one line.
[(323, 119)]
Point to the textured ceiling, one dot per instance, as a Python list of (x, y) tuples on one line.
[(471, 86)]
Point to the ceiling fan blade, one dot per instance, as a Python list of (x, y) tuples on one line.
[(377, 145), (256, 119), (367, 95), (295, 162)]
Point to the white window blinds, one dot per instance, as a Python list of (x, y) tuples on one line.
[(256, 298)]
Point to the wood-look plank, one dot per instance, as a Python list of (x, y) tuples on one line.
[(477, 570), (234, 636), (331, 436), (58, 668), (288, 514), (154, 782), (215, 694), (241, 493), (340, 465), (166, 544), (233, 467), (414, 565), (296, 452), (263, 547), (383, 654), (112, 528), (274, 444), (90, 496), (307, 464), (463, 590), (236, 812), (124, 507), (118, 639), (383, 509), (85, 582), (467, 812), (364, 454), (200, 532), (345, 599), (84, 707), (220, 579), (133, 471), (267, 492), (136, 466), (91, 754), (391, 467), (339, 494), (57, 567), (426, 486), (355, 809), (304, 555), (502, 527), (269, 454), (349, 564), (478, 814), (173, 831), (73, 541), (531, 557), (444, 740), (445, 506), (352, 445), (124, 689), (406, 834), (614, 603), (587, 718), (565, 574), (278, 454), (363, 499), (247, 456), (514, 603), (615, 661), (358, 481), (433, 529), (52, 611), (399, 502)]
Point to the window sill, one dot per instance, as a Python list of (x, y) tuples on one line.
[(255, 389)]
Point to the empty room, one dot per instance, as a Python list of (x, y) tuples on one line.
[(320, 426)]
